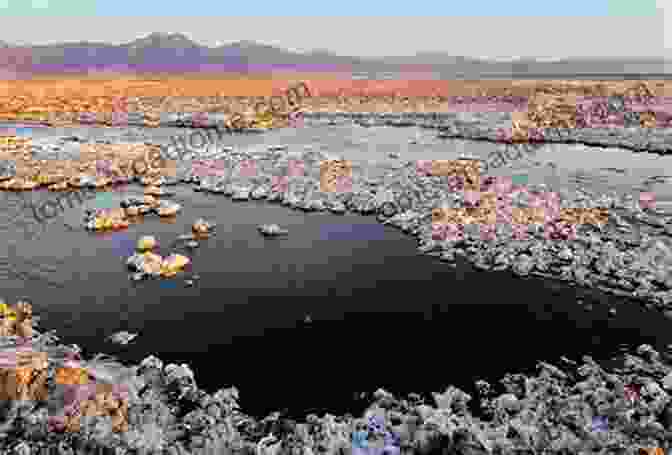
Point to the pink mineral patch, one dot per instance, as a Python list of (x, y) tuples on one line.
[(472, 197), (647, 200), (248, 168), (296, 168), (424, 167), (279, 184)]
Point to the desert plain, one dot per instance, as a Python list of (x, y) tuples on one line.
[(328, 91)]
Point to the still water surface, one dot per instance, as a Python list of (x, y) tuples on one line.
[(382, 315)]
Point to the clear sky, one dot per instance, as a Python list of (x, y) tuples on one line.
[(339, 8), (494, 28)]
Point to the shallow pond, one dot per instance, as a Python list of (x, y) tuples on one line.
[(380, 313)]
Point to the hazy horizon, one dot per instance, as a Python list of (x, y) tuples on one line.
[(370, 37), (512, 58)]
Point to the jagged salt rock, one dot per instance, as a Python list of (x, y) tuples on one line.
[(168, 208), (667, 381), (151, 362), (146, 242), (271, 230), (122, 337), (175, 372)]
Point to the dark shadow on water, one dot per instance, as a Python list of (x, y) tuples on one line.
[(381, 314)]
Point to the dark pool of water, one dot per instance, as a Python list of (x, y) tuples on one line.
[(383, 315)]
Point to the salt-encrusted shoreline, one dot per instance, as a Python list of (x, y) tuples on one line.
[(608, 256), (490, 127), (564, 408)]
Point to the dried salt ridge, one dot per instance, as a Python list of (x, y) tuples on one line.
[(490, 126), (7, 169), (606, 256), (244, 124), (487, 126), (204, 120), (272, 230), (122, 337), (552, 412)]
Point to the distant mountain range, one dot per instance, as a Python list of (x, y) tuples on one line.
[(176, 53)]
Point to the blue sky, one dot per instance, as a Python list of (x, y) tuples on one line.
[(341, 8)]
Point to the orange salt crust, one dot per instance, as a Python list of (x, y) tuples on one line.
[(329, 92), (61, 175), (323, 84)]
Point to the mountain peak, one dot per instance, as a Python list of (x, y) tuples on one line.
[(166, 35), (163, 39)]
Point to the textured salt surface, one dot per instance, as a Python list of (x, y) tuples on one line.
[(387, 165)]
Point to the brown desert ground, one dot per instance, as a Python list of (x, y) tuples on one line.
[(322, 85)]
